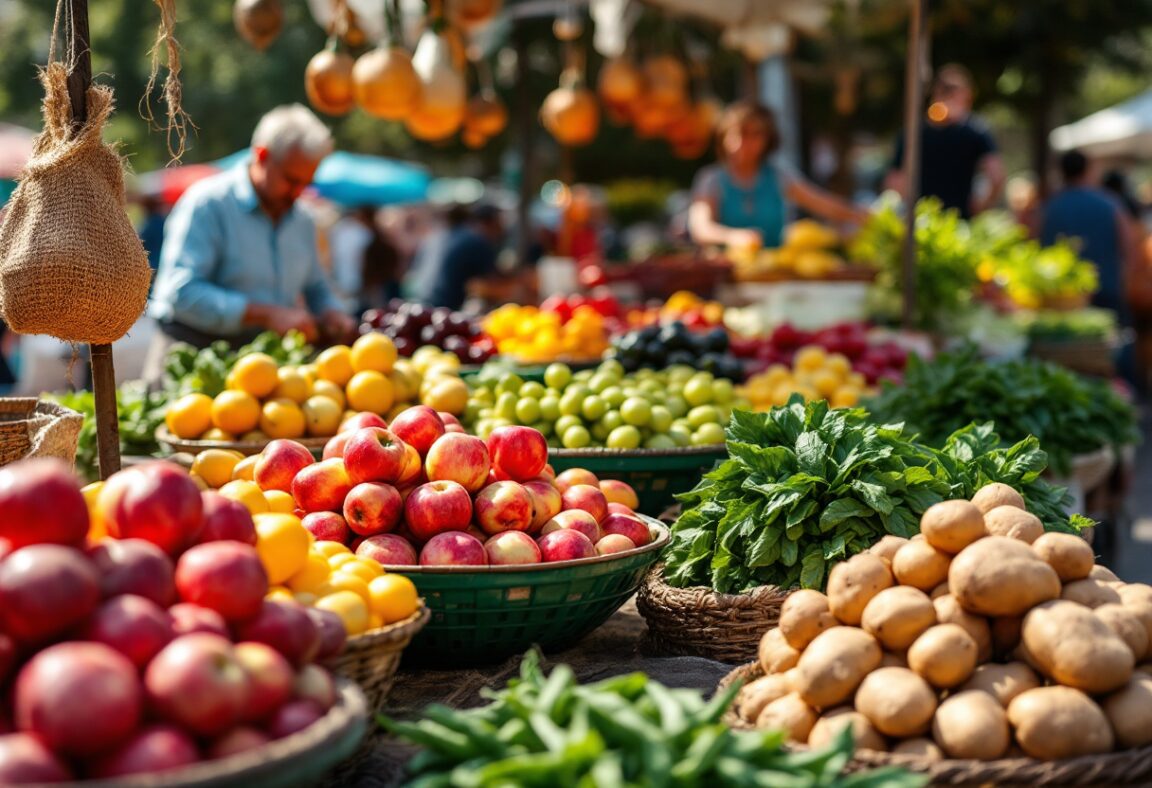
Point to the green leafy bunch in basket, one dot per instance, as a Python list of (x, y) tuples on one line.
[(188, 370)]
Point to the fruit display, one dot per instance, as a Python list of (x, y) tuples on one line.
[(421, 492), (814, 375), (626, 730), (683, 305), (982, 638), (809, 251), (135, 633), (553, 331), (412, 325), (672, 408), (872, 353), (671, 344)]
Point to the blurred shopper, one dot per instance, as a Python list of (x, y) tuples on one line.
[(744, 201), (151, 230), (955, 147), (463, 251), (365, 262)]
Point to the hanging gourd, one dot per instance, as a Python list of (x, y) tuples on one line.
[(443, 98), (666, 80), (620, 82), (384, 83), (571, 113), (468, 14), (328, 80), (486, 115), (258, 21)]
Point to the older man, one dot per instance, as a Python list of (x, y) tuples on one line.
[(239, 255)]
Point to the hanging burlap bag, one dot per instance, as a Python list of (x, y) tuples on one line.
[(71, 266)]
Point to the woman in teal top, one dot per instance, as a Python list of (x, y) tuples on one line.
[(743, 200)]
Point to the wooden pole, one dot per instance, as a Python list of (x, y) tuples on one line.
[(100, 356), (913, 101)]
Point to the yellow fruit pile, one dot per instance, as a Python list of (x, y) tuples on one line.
[(808, 252), (530, 335), (815, 374)]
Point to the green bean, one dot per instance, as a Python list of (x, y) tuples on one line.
[(673, 720), (701, 755)]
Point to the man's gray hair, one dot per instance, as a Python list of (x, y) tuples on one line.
[(292, 127)]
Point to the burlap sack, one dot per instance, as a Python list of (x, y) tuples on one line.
[(32, 428), (71, 266)]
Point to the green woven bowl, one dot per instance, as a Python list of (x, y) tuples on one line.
[(482, 615), (657, 475)]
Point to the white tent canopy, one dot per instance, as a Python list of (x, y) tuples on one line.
[(1122, 130)]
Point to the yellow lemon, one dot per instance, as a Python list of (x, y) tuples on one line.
[(370, 391), (279, 594), (339, 559), (404, 385), (215, 466), (447, 394), (190, 416), (393, 597), (346, 581), (326, 388), (254, 436), (375, 352), (329, 549), (361, 570), (235, 412), (809, 358), (257, 374), (838, 363), (292, 385), (374, 621), (322, 416), (246, 468), (97, 529), (280, 501), (350, 607), (247, 493), (282, 543), (282, 418), (335, 364), (202, 485), (309, 372), (845, 397), (312, 575), (217, 434), (825, 381)]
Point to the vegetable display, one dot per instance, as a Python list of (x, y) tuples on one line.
[(625, 731), (981, 634)]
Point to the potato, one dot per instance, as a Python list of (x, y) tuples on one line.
[(998, 576), (887, 546), (940, 590), (919, 748), (1002, 682), (948, 611), (945, 655), (897, 616), (920, 565), (834, 664), (1013, 523), (790, 714), (853, 583), (828, 727), (1131, 593), (1129, 711), (1069, 555), (996, 494), (1103, 573), (897, 702), (755, 695), (890, 660), (1005, 633), (776, 656), (1090, 593), (971, 725), (952, 525), (916, 538), (1059, 722), (1073, 647), (803, 616), (1128, 624)]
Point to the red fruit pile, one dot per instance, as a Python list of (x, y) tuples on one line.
[(875, 360)]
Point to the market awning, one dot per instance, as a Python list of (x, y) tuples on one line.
[(1122, 130)]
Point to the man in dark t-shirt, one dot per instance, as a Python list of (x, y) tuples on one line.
[(955, 147)]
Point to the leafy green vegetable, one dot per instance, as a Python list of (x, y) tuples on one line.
[(1064, 325), (1034, 275), (623, 731)]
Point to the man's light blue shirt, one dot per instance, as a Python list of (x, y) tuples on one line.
[(221, 251)]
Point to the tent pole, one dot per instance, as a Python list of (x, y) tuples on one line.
[(913, 99)]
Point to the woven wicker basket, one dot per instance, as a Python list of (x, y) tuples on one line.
[(699, 622), (1087, 356), (31, 428), (1129, 767), (371, 659), (247, 448)]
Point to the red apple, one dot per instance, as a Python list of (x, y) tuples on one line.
[(270, 679), (373, 508), (198, 683), (519, 452), (8, 658), (236, 741), (375, 455), (549, 473), (458, 458), (327, 527), (576, 519), (332, 633), (322, 487), (454, 548), (627, 525), (293, 717), (188, 618), (388, 550), (279, 463), (472, 530), (619, 508), (25, 487), (586, 497), (503, 506), (614, 543), (616, 491), (156, 501), (574, 476), (546, 503), (413, 468), (286, 627), (226, 520), (512, 547), (44, 590), (227, 577), (419, 427), (334, 448), (566, 544), (314, 683), (449, 419), (24, 759), (154, 748), (136, 627), (134, 566), (79, 698), (362, 421), (437, 507)]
